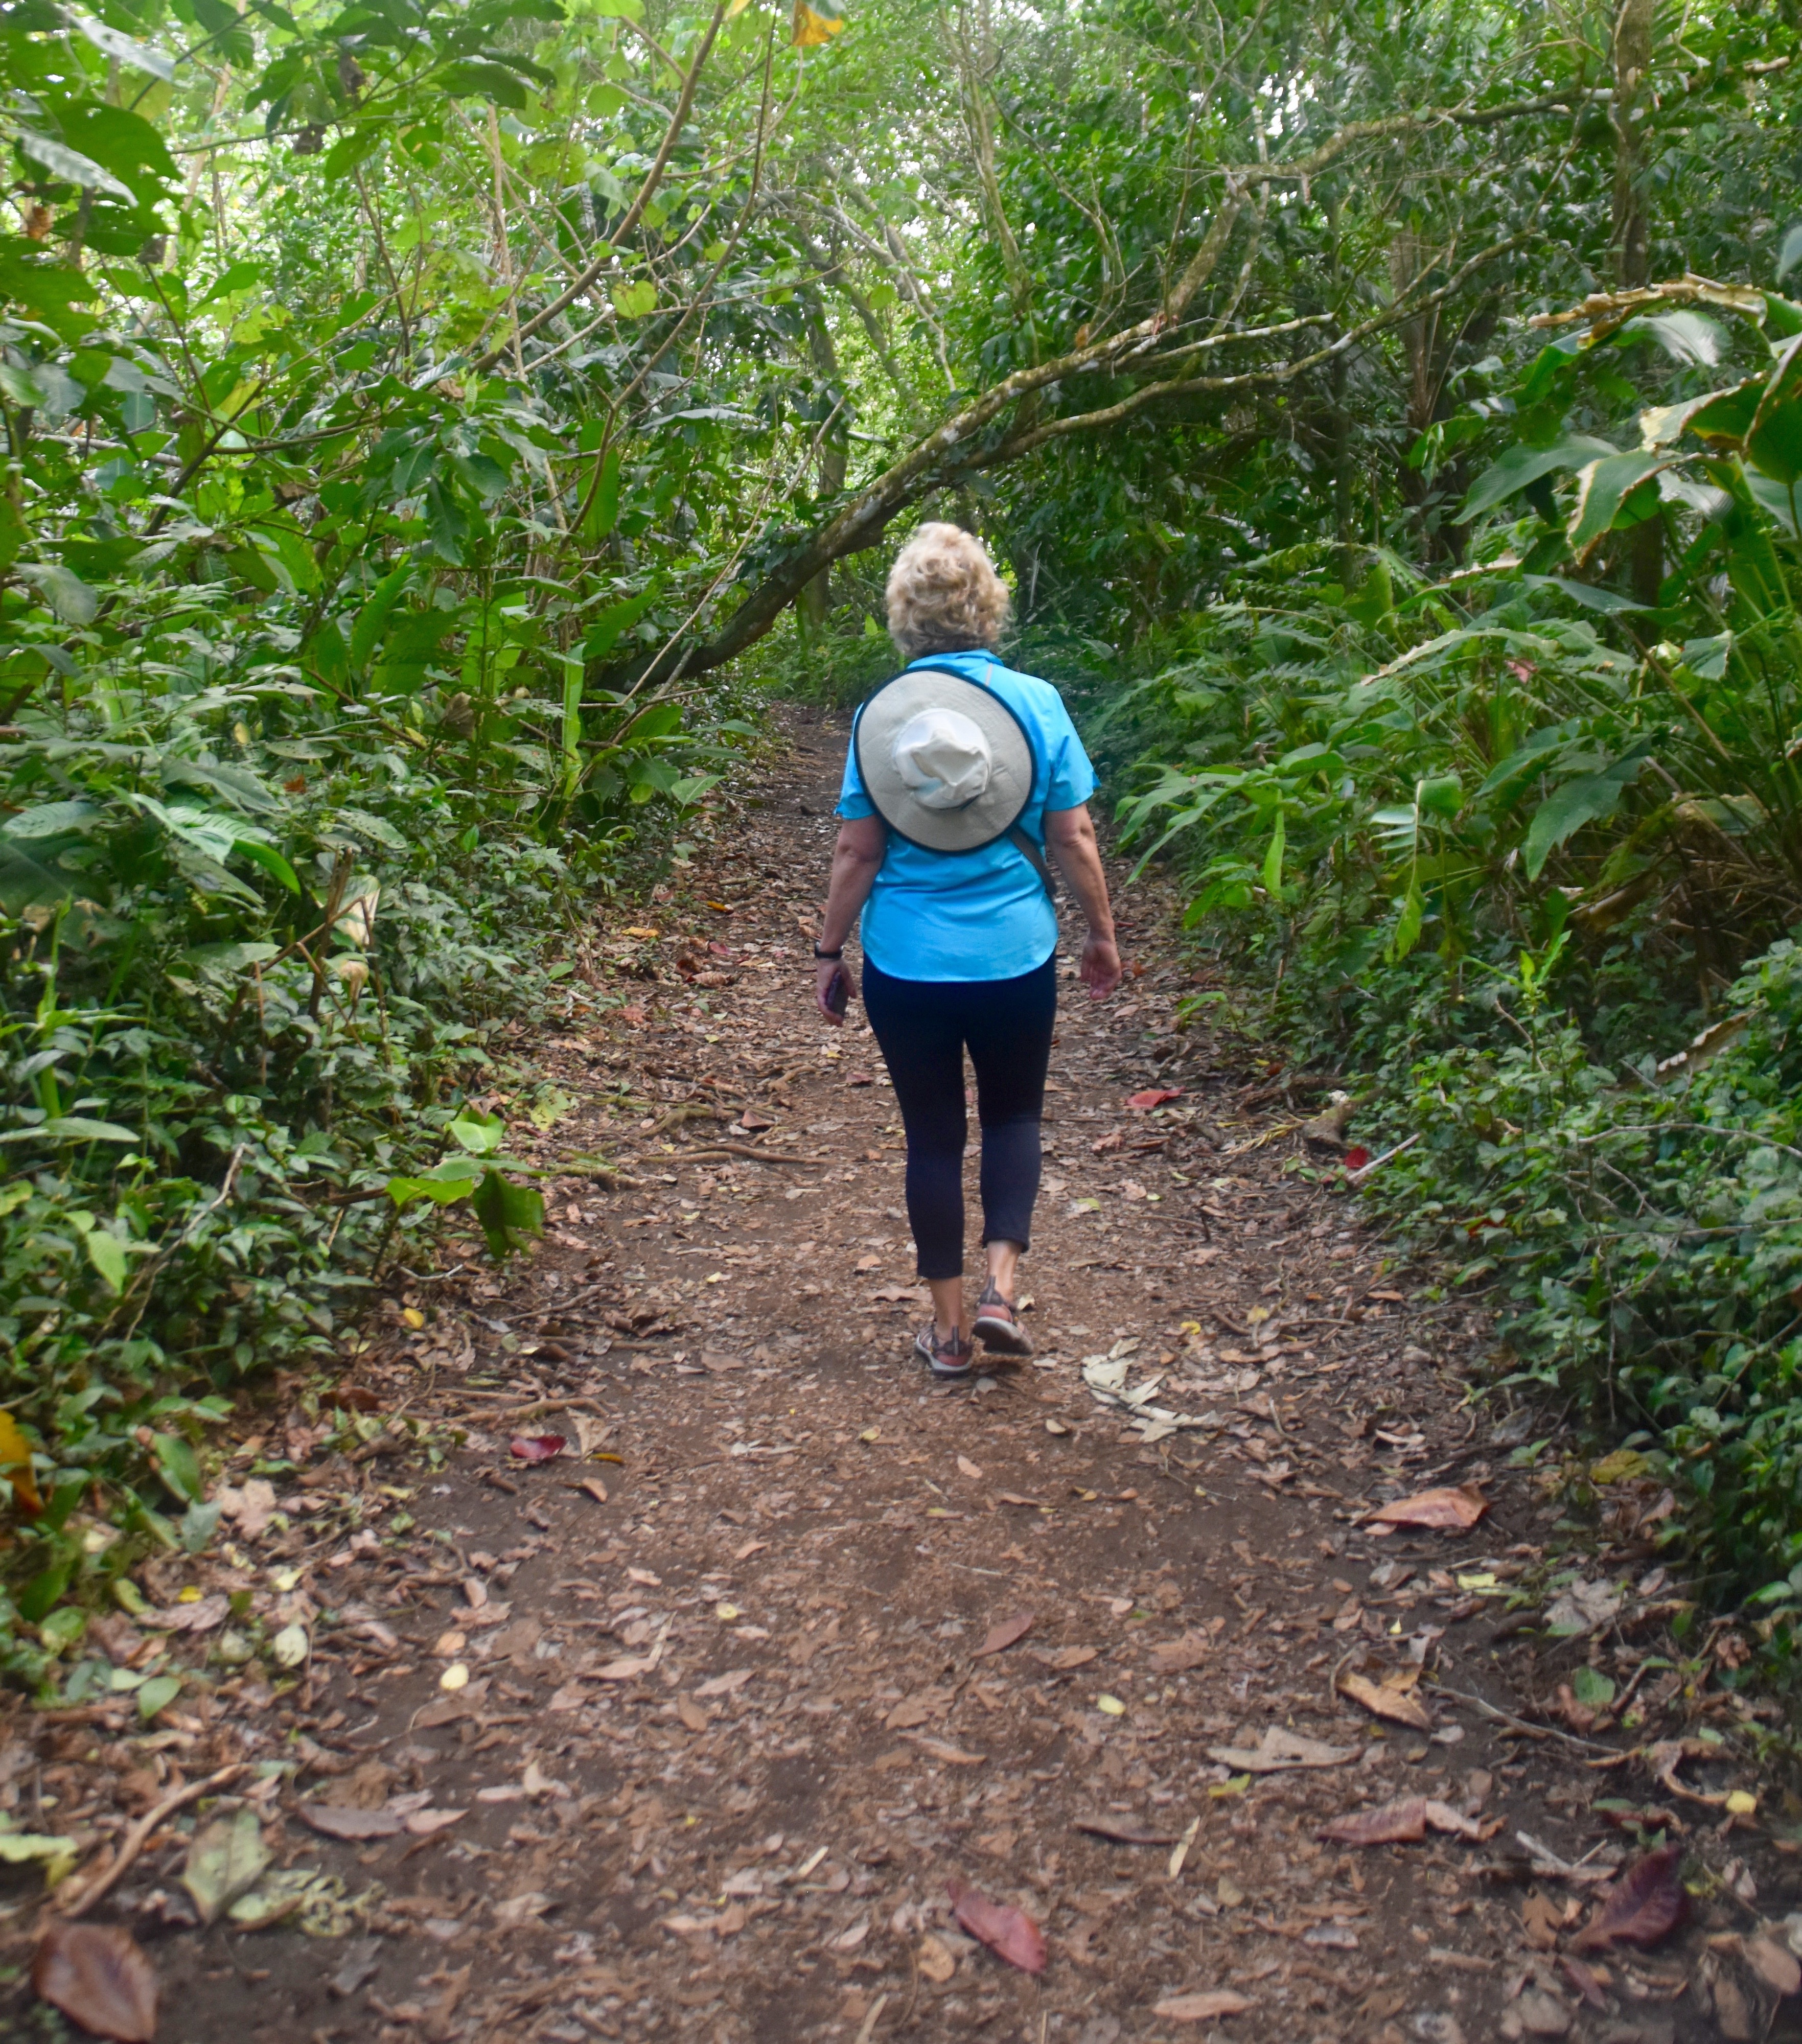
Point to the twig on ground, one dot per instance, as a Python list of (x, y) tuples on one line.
[(137, 1836), (745, 1149), (1521, 1724)]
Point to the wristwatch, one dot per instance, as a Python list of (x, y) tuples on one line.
[(834, 955)]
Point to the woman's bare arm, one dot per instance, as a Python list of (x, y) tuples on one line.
[(1069, 837), (856, 858)]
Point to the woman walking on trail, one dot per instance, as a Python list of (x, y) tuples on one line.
[(961, 775)]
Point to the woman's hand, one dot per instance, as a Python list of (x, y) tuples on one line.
[(1100, 966), (823, 972)]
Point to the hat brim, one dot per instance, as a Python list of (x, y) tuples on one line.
[(994, 811)]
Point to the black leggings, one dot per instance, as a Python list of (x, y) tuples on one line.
[(922, 1026)]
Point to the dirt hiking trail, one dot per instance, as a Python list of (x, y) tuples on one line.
[(687, 1731)]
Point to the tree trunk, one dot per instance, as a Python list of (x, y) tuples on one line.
[(1633, 32), (814, 604)]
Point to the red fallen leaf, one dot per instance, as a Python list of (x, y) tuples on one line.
[(1005, 1633), (354, 1397), (98, 1974), (1008, 1934), (1646, 1904), (1443, 1510), (332, 1822), (631, 1012), (537, 1447), (1399, 1823), (1356, 1158), (1143, 1103)]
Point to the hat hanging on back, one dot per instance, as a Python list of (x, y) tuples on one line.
[(946, 762)]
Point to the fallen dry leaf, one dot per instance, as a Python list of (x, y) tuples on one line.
[(953, 1756), (1201, 2007), (537, 1447), (966, 1467), (1177, 1657), (1775, 1964), (1008, 1932), (1584, 1979), (935, 1959), (1646, 1903), (1403, 1823), (1061, 1659), (427, 1823), (1280, 1750), (691, 1714), (910, 1711), (331, 1821), (1391, 1698), (594, 1487), (1123, 1832), (1442, 1511), (1143, 1103), (726, 1686), (98, 1975), (1004, 1634)]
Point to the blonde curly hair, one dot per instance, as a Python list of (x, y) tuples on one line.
[(943, 595)]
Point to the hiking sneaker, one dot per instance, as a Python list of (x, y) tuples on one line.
[(954, 1360), (998, 1325)]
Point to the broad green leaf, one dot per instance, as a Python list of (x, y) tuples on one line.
[(269, 859), (1688, 337), (1602, 490), (1790, 254), (607, 631), (442, 1192), (139, 57), (156, 1695), (1592, 1689), (50, 820), (508, 1213), (25, 1848), (474, 78), (1273, 858), (66, 593), (372, 620), (72, 166), (481, 1135), (225, 1862), (71, 1129), (635, 300), (1408, 923), (107, 1254), (1523, 465), (1586, 800), (180, 1466)]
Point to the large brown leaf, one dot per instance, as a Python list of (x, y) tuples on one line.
[(1005, 1633), (1646, 1904), (1008, 1933), (98, 1974), (1392, 1697), (332, 1822), (1442, 1510), (1399, 1823)]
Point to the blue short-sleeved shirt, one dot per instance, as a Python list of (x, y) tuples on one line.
[(974, 915)]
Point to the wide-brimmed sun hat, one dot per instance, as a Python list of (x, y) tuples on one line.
[(946, 762)]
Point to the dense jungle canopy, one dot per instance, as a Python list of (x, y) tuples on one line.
[(432, 428)]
